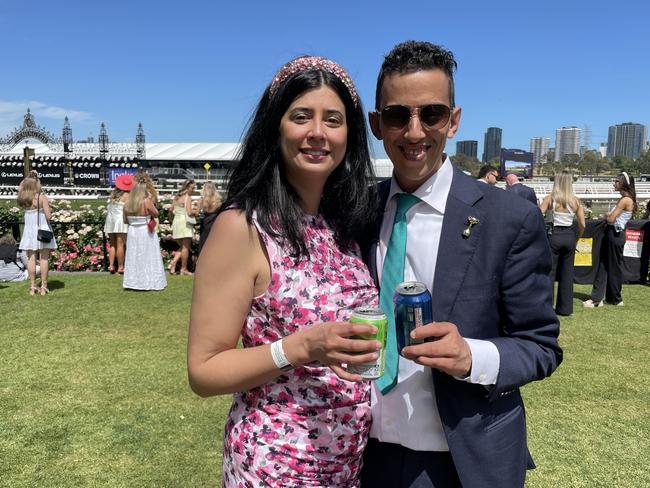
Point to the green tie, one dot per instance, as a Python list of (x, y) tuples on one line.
[(391, 276)]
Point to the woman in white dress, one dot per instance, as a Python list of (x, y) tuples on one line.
[(115, 227), (143, 265), (37, 216)]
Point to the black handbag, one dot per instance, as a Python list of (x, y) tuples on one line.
[(42, 235), (549, 228), (548, 222)]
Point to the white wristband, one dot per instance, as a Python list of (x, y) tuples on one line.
[(278, 355)]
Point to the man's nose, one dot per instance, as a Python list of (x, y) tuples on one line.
[(414, 130)]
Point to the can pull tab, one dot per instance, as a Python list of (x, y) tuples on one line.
[(471, 221)]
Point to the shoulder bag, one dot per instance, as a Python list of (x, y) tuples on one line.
[(151, 223), (42, 235), (190, 219)]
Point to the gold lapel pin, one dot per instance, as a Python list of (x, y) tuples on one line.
[(471, 222)]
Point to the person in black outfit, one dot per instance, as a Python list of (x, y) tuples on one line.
[(563, 208)]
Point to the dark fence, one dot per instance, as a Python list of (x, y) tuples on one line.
[(635, 257)]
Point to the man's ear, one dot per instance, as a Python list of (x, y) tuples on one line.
[(375, 126), (455, 122)]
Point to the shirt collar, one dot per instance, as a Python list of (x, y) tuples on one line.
[(434, 191)]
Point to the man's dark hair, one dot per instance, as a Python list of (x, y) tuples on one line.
[(412, 56), (258, 183), (485, 170)]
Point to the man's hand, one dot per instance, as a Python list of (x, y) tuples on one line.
[(448, 351)]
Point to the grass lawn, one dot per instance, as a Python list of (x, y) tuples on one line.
[(93, 392)]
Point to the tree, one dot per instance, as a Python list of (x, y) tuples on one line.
[(623, 163), (643, 163), (592, 163), (466, 163)]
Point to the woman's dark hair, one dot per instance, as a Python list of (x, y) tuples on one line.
[(627, 188), (258, 182)]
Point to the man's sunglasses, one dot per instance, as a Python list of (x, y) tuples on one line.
[(433, 116)]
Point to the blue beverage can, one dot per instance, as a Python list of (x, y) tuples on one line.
[(413, 308)]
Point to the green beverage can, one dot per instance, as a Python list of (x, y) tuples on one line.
[(374, 316)]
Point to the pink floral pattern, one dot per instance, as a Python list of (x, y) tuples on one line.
[(307, 427)]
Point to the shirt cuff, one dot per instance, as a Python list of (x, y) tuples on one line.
[(485, 362)]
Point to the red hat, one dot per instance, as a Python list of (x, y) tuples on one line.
[(124, 182)]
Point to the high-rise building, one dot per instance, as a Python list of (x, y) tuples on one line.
[(602, 150), (468, 148), (567, 141), (628, 139), (492, 144), (539, 148)]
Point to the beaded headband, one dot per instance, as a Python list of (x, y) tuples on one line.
[(306, 63)]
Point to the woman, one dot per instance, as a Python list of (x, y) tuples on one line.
[(565, 207), (143, 176), (115, 227), (37, 217), (183, 220), (143, 266), (208, 205), (282, 261), (609, 276)]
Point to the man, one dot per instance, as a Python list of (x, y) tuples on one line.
[(488, 174), (515, 186), (448, 411)]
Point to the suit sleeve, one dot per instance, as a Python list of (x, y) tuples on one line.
[(528, 346)]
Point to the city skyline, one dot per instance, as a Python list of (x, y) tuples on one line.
[(193, 73)]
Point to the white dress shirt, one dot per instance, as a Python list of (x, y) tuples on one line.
[(408, 414)]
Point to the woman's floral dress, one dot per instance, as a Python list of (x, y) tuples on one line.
[(307, 427)]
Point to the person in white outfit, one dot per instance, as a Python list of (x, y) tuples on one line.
[(115, 227), (143, 265), (37, 217)]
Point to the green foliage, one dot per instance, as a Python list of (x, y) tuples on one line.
[(78, 229), (94, 392), (466, 163)]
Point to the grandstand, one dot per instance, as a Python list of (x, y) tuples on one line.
[(86, 170)]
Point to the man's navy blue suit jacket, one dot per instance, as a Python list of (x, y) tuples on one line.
[(524, 192), (495, 286)]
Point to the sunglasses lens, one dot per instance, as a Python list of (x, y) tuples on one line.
[(395, 115), (434, 116)]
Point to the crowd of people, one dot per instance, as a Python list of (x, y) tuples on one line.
[(131, 228), (303, 238), (565, 226)]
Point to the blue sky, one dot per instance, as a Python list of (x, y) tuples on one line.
[(193, 71)]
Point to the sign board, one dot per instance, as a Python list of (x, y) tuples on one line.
[(633, 243), (11, 174), (207, 166), (113, 173), (52, 174), (87, 176), (583, 256)]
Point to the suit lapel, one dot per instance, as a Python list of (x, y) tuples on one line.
[(455, 251)]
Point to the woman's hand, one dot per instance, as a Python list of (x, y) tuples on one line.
[(333, 344)]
